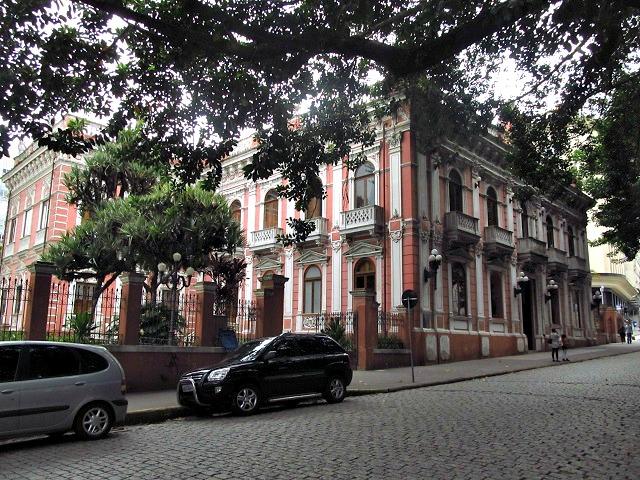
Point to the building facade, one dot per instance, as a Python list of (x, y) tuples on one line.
[(377, 226)]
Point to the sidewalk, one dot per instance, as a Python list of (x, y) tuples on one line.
[(157, 406)]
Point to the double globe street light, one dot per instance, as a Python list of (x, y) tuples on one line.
[(171, 278)]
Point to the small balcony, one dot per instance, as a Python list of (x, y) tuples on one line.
[(532, 250), (320, 233), (497, 241), (23, 244), (577, 267), (266, 239), (367, 220), (8, 250), (557, 260), (461, 229)]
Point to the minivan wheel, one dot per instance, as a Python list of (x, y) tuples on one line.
[(93, 421), (336, 390), (246, 400)]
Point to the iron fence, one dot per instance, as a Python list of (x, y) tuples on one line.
[(389, 330), (341, 326), (77, 312), (13, 301), (241, 317), (169, 319)]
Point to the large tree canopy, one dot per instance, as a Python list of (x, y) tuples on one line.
[(198, 72)]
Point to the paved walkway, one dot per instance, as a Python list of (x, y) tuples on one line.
[(153, 406)]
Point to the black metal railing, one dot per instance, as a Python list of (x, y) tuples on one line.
[(170, 319), (241, 317), (390, 326), (77, 313), (13, 301)]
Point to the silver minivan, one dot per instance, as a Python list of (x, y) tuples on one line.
[(54, 387)]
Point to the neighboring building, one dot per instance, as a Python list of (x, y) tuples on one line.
[(377, 226), (618, 282), (37, 215)]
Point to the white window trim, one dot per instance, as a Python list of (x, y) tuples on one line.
[(448, 197)]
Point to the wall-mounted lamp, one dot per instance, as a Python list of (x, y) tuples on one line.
[(552, 286), (596, 300), (435, 260), (520, 280)]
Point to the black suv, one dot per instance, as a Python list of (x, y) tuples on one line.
[(286, 368)]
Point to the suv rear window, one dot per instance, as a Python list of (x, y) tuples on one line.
[(310, 346), (330, 345), (91, 362), (8, 363), (48, 361)]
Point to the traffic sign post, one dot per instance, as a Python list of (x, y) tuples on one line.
[(410, 300)]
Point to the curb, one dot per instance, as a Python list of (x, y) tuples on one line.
[(158, 415)]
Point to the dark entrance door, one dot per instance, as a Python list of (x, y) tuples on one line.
[(528, 313)]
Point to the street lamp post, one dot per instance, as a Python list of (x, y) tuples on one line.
[(170, 277), (521, 279), (552, 286)]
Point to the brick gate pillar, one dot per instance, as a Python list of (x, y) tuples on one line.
[(366, 308), (270, 305), (130, 305), (36, 310), (207, 325)]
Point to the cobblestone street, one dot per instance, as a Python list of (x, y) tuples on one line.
[(572, 421)]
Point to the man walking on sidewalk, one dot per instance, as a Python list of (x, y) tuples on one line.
[(629, 331), (555, 345), (621, 332)]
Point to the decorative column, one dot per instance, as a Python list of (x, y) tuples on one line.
[(336, 276), (478, 251), (36, 310), (269, 305), (396, 225), (130, 305)]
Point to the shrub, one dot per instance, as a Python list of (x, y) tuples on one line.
[(390, 342)]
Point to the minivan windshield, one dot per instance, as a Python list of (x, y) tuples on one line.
[(249, 351)]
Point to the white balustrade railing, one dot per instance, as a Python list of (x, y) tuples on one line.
[(532, 245), (462, 222), (495, 234), (266, 237), (555, 255), (363, 217), (320, 227)]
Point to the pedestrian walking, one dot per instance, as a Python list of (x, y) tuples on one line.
[(554, 339), (629, 331), (565, 346), (621, 332)]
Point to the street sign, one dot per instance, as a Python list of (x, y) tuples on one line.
[(409, 299)]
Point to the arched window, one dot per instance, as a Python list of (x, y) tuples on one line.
[(492, 206), (458, 289), (365, 275), (495, 285), (572, 243), (270, 209), (550, 242), (455, 191), (236, 211), (312, 290), (365, 185), (524, 217), (314, 208)]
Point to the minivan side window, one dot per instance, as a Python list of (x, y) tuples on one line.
[(91, 362), (9, 357), (49, 361)]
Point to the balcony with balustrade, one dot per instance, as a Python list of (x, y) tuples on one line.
[(364, 220), (265, 240), (320, 233), (498, 241), (532, 251), (577, 267), (461, 229), (557, 260)]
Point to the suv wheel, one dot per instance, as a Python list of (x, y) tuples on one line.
[(246, 400), (93, 421), (336, 390)]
